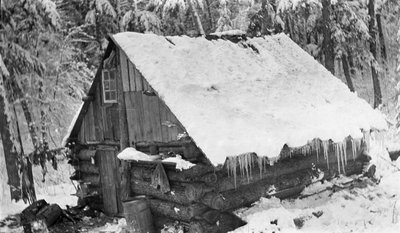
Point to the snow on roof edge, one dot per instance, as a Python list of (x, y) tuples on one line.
[(71, 125)]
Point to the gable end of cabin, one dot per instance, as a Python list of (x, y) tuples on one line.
[(121, 110)]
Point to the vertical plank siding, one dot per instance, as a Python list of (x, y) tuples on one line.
[(81, 135), (138, 80), (132, 82), (115, 122), (98, 120), (123, 61), (90, 134), (149, 119), (166, 133)]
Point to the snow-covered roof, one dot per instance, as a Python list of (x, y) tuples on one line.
[(71, 126), (251, 96)]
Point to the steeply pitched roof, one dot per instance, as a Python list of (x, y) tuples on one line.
[(251, 96)]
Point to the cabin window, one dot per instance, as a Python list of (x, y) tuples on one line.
[(109, 86)]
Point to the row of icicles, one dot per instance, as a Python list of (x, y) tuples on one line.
[(245, 162)]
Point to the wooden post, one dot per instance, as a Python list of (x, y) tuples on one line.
[(108, 180)]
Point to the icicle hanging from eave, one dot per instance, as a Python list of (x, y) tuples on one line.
[(245, 162), (376, 145), (367, 139), (325, 148), (355, 147)]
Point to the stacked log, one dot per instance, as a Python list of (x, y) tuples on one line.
[(88, 176), (203, 196), (186, 200)]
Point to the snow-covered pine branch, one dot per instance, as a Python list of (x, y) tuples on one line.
[(224, 22), (51, 11), (105, 7)]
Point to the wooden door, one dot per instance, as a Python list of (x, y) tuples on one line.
[(109, 179)]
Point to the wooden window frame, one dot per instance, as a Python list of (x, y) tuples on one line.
[(109, 101)]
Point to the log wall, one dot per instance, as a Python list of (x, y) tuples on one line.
[(97, 171), (203, 196)]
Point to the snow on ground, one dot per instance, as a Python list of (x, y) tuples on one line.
[(57, 188), (253, 96), (366, 207), (11, 208)]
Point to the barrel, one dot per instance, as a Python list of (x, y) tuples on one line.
[(138, 215)]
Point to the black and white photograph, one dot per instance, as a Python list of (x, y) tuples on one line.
[(199, 116)]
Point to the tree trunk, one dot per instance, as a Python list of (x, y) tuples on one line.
[(21, 183), (264, 18), (351, 62), (18, 93), (10, 152), (373, 49), (119, 15), (288, 28), (381, 37), (28, 187), (97, 28), (197, 17), (328, 42), (346, 70), (210, 19)]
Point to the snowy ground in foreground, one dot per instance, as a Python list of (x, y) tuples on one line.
[(57, 188), (60, 194), (366, 208)]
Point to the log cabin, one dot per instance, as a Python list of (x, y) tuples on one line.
[(256, 117)]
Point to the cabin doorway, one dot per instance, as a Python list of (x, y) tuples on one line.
[(109, 179)]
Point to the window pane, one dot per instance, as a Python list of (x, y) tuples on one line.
[(112, 74), (106, 85), (112, 85), (107, 95), (113, 95), (105, 74)]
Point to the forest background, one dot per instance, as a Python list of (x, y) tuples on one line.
[(50, 49)]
